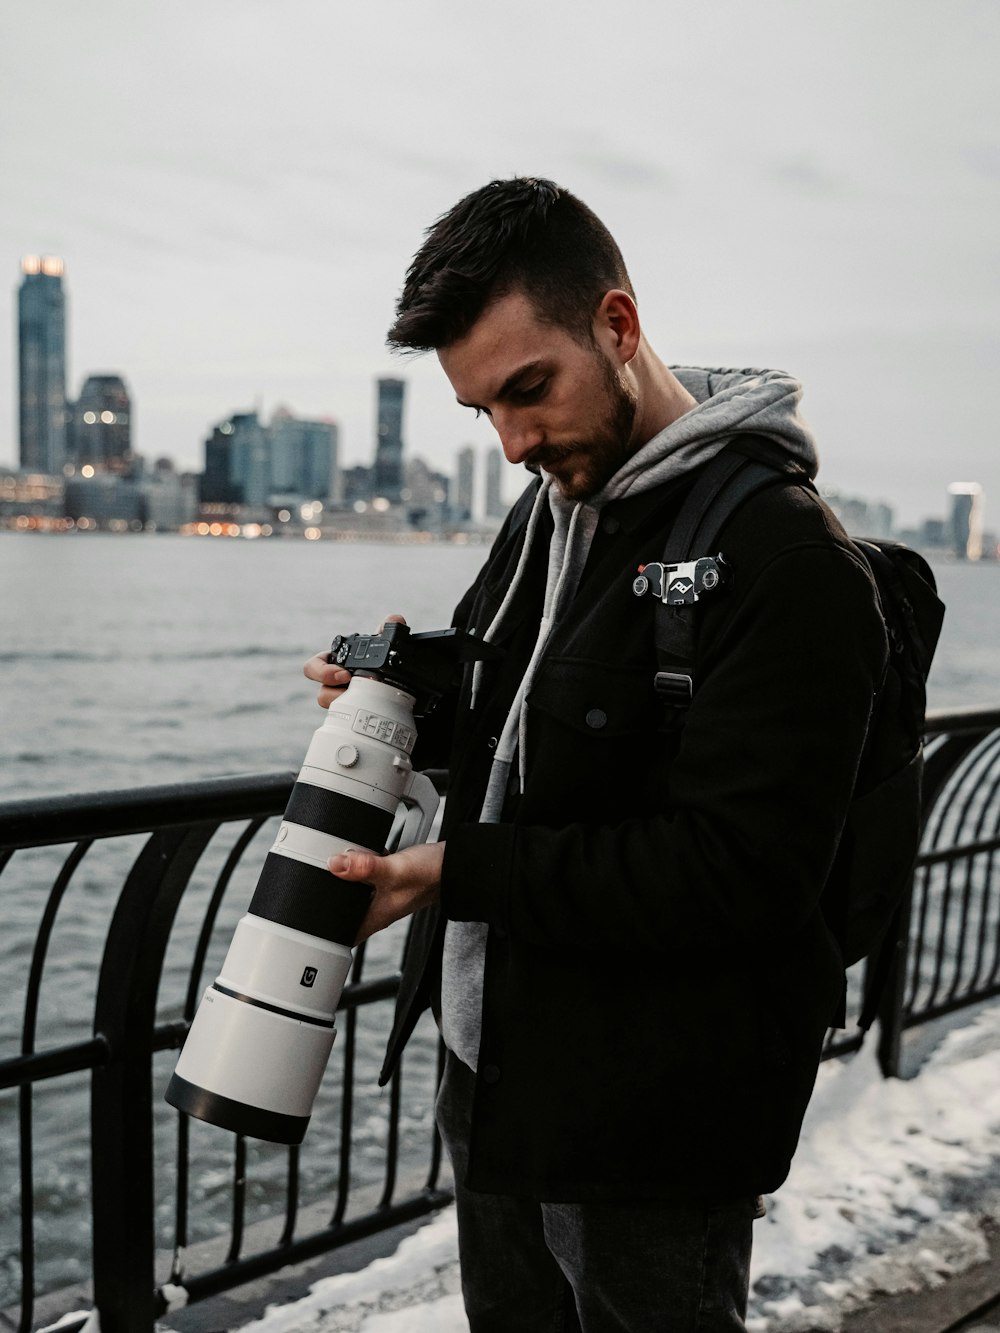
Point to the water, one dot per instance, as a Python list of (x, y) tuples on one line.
[(131, 661)]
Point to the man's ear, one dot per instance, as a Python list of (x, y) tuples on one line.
[(616, 324)]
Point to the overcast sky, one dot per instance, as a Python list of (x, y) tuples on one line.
[(236, 187)]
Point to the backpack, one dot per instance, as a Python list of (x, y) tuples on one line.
[(865, 895)]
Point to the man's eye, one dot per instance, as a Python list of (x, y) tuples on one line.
[(532, 393)]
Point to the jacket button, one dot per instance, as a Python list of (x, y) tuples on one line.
[(491, 1074), (610, 524), (492, 743), (596, 718)]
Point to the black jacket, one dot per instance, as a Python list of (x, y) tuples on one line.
[(659, 978)]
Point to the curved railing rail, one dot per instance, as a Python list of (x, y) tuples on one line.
[(153, 1173)]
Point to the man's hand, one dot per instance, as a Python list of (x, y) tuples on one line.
[(404, 881), (335, 679)]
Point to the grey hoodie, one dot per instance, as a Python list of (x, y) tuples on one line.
[(729, 402)]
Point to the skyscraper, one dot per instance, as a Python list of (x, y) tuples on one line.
[(251, 458), (495, 507), (304, 456), (465, 482), (966, 519), (101, 432), (41, 330), (426, 495), (388, 478), (237, 462)]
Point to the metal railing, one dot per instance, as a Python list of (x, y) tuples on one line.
[(126, 1112), (153, 1172), (950, 953), (948, 956)]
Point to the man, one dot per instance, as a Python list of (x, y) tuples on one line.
[(621, 937)]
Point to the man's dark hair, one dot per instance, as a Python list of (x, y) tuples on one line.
[(526, 235)]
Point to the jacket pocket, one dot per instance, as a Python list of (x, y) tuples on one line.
[(597, 749), (595, 698)]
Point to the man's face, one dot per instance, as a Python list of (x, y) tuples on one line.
[(555, 402)]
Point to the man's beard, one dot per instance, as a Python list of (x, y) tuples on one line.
[(599, 457)]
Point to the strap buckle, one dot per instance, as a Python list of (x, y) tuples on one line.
[(677, 689)]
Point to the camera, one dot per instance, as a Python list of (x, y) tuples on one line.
[(261, 1038)]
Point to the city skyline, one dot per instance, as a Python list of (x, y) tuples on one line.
[(253, 463), (59, 434), (78, 469), (236, 203)]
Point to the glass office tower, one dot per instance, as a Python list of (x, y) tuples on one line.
[(41, 331)]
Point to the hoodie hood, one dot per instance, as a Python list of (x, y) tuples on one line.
[(729, 402)]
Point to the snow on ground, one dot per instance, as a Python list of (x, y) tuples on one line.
[(889, 1185), (887, 1194), (420, 1282)]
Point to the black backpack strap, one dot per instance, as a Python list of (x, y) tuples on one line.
[(723, 486), (709, 485)]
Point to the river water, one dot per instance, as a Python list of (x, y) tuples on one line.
[(128, 661)]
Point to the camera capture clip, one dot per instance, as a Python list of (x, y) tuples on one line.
[(681, 584)]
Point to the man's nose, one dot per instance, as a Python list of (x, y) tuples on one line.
[(518, 436)]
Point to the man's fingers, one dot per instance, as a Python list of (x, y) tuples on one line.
[(313, 669), (370, 869), (403, 881), (356, 865), (324, 672), (333, 679)]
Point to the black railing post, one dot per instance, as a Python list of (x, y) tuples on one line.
[(121, 1091), (891, 1006)]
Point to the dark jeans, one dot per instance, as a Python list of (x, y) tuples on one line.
[(532, 1267)]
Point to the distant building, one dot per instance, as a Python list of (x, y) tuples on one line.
[(861, 518), (933, 533), (495, 507), (251, 458), (105, 500), (881, 520), (170, 498), (966, 519), (356, 485), (34, 494), (425, 495), (218, 485), (237, 463), (304, 458), (41, 334), (465, 484), (291, 460), (100, 434), (387, 481)]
